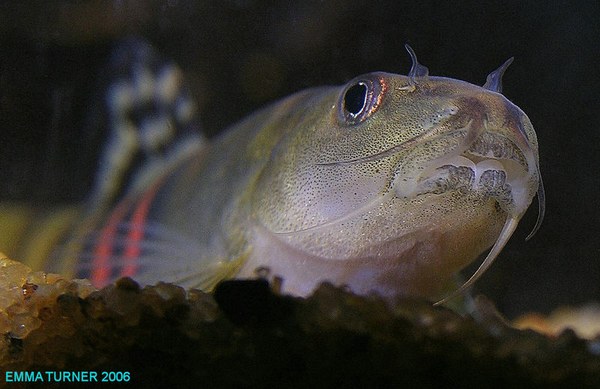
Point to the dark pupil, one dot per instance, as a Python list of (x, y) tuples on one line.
[(355, 98)]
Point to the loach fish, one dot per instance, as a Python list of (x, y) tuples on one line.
[(389, 184)]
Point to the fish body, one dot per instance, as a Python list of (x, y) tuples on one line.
[(388, 183)]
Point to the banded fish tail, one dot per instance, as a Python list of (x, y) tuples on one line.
[(152, 125), (152, 121)]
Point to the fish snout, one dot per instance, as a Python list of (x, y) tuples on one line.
[(486, 151)]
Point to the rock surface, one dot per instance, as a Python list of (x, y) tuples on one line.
[(247, 335)]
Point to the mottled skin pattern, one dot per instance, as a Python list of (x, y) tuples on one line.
[(314, 218), (300, 190), (389, 183)]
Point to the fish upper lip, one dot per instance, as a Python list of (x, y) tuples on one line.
[(492, 165), (489, 145)]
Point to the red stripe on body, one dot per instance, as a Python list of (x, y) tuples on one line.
[(102, 253), (136, 234), (101, 268)]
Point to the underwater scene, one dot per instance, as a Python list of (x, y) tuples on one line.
[(260, 193)]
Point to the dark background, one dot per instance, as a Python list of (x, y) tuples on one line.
[(238, 55)]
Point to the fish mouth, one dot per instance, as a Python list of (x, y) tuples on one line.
[(488, 164), (484, 162), (475, 160), (480, 162)]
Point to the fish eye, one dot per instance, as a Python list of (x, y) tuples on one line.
[(355, 99), (359, 100)]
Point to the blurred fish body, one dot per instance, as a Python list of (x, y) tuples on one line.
[(388, 183)]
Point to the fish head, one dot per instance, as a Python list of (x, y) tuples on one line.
[(394, 183)]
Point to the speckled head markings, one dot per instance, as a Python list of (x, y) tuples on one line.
[(388, 184), (393, 183)]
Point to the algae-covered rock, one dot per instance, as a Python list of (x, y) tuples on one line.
[(247, 335)]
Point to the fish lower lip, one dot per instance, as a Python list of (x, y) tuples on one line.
[(492, 167), (487, 178)]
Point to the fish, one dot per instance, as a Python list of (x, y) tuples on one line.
[(389, 184)]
